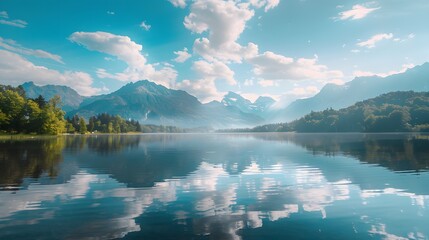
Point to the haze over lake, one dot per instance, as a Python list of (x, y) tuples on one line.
[(215, 186)]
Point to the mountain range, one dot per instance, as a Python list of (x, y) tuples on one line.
[(359, 89), (151, 103)]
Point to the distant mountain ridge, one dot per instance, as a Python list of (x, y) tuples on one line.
[(69, 97), (359, 89), (151, 103)]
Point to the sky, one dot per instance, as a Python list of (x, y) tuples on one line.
[(285, 49)]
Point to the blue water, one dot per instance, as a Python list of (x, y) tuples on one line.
[(216, 186)]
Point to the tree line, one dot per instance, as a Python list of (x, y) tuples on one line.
[(101, 123)]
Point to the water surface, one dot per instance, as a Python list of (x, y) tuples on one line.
[(216, 186)]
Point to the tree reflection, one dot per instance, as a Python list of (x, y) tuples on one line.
[(397, 152), (30, 158), (106, 144)]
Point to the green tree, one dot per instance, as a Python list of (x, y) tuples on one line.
[(34, 117), (82, 126), (53, 117), (12, 105)]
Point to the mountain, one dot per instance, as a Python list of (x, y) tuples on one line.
[(359, 89), (260, 107), (390, 112), (150, 103), (69, 97)]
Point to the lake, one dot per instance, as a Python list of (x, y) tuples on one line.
[(216, 186)]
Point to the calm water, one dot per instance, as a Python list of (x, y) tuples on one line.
[(261, 186)]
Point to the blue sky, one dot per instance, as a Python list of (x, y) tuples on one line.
[(286, 49)]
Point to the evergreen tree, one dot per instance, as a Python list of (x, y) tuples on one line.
[(82, 126)]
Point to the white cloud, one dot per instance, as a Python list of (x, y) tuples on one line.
[(15, 47), (204, 88), (10, 22), (110, 13), (128, 51), (224, 21), (15, 70), (403, 69), (268, 83), (357, 12), (268, 4), (271, 66), (370, 43), (14, 23), (216, 70), (3, 14), (145, 26), (178, 3), (182, 56)]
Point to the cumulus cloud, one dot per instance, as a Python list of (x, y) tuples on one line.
[(4, 19), (370, 43), (357, 12), (123, 48), (271, 66), (182, 56), (403, 69), (145, 26), (15, 70), (204, 87), (224, 21), (216, 70), (15, 47), (178, 3)]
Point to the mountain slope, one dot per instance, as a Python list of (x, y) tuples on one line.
[(340, 96), (69, 97), (155, 104)]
